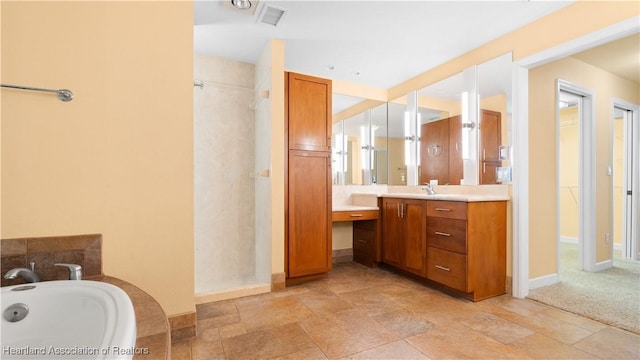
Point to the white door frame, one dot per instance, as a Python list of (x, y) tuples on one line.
[(521, 68), (587, 174), (633, 249)]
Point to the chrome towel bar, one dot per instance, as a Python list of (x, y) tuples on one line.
[(63, 94)]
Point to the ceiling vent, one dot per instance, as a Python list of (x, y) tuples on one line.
[(271, 15)]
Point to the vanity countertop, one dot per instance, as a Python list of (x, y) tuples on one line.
[(449, 197)]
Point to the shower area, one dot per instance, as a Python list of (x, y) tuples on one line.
[(231, 130)]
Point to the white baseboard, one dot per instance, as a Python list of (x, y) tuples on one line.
[(573, 240), (569, 239), (543, 281), (603, 265)]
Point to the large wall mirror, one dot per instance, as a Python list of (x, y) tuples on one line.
[(359, 141), (398, 153), (440, 124), (463, 141), (494, 133), (453, 132)]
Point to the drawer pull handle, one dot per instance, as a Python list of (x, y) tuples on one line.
[(443, 268), (442, 209), (442, 234), (362, 241), (356, 215)]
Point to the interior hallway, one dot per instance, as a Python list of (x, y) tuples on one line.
[(363, 313)]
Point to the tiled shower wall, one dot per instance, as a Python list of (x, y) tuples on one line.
[(224, 163)]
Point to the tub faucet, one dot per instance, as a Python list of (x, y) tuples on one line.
[(75, 270), (28, 274), (429, 189)]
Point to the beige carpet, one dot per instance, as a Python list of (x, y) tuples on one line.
[(611, 296)]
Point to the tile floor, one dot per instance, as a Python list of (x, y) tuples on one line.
[(363, 313)]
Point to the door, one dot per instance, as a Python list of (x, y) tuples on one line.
[(576, 176), (414, 217), (490, 140), (392, 232), (309, 206), (625, 180), (308, 112), (455, 150), (434, 152)]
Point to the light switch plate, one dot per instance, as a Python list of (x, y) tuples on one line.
[(503, 174)]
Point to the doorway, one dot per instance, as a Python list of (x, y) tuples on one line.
[(624, 183), (569, 119), (575, 141)]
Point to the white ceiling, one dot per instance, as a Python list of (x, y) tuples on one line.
[(376, 43)]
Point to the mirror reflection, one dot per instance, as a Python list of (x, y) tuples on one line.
[(442, 139), (392, 143), (359, 139), (396, 142), (440, 132), (494, 89)]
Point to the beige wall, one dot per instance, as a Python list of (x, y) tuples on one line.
[(117, 160), (543, 158)]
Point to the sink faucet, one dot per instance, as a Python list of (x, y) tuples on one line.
[(429, 189), (28, 274)]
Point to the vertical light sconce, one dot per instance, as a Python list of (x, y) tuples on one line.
[(372, 147), (408, 138), (419, 133), (467, 126), (340, 150), (364, 141)]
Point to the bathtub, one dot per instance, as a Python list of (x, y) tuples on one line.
[(67, 320)]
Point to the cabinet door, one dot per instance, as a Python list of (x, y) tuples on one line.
[(455, 150), (490, 141), (392, 228), (308, 103), (414, 216), (434, 152), (309, 213)]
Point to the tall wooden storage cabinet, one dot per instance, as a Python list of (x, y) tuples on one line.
[(308, 181)]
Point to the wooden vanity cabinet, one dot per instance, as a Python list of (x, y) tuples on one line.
[(466, 246), (404, 234), (456, 244), (308, 208)]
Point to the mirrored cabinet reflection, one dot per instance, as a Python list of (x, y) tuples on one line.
[(359, 141), (451, 132)]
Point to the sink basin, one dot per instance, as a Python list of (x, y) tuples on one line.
[(67, 320)]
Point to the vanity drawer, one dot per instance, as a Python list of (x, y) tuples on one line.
[(447, 209), (447, 267), (354, 215), (447, 234)]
